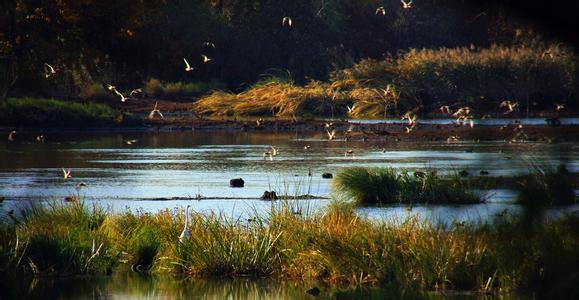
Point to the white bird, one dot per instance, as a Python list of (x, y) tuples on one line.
[(351, 108), (409, 129), (381, 10), (329, 125), (40, 138), (66, 174), (511, 106), (406, 5), (123, 98), (187, 66), (349, 152), (50, 71), (452, 138), (206, 59), (155, 111), (185, 232), (559, 107), (258, 122), (135, 91), (209, 44), (331, 135), (306, 147), (463, 111), (131, 142), (286, 20), (411, 117), (267, 154), (274, 151), (11, 135), (445, 109), (111, 87)]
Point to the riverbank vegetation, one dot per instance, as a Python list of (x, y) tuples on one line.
[(370, 186), (337, 245), (51, 112)]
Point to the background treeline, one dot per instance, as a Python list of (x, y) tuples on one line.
[(129, 43)]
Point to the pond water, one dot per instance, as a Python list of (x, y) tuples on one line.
[(136, 286), (492, 121), (169, 169)]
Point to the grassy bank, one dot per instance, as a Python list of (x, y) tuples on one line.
[(52, 112), (479, 78), (386, 185), (337, 246)]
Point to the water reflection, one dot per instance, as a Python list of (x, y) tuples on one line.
[(177, 165), (134, 286)]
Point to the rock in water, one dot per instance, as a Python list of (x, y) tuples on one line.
[(236, 182), (327, 175), (313, 291), (269, 195)]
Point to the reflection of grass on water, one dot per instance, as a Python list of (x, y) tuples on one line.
[(335, 245), (386, 185)]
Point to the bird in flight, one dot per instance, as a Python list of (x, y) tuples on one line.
[(406, 5), (155, 111), (50, 71), (206, 59), (209, 44), (111, 87), (351, 108), (131, 142), (66, 174), (135, 92), (11, 135), (445, 109), (274, 151), (331, 135), (187, 66), (123, 98), (411, 117), (286, 21), (559, 107), (511, 106), (381, 10)]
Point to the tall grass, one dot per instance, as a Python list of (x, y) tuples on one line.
[(52, 112), (546, 186), (180, 90), (480, 79), (386, 185), (336, 245)]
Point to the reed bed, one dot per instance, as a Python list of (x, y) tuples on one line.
[(369, 186), (336, 245), (427, 78)]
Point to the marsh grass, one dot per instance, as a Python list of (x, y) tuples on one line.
[(546, 186), (386, 185), (424, 78), (336, 245), (180, 90), (52, 112)]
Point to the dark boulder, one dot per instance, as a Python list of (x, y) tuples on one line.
[(236, 182), (327, 175), (269, 195)]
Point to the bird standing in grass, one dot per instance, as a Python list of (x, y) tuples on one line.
[(185, 233)]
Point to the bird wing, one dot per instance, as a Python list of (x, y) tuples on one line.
[(187, 63)]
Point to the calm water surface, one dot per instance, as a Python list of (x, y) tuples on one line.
[(173, 165)]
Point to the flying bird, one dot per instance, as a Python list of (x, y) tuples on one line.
[(40, 138), (187, 66), (155, 111), (11, 135), (411, 117), (331, 135), (111, 87), (185, 233), (286, 21), (123, 98), (131, 142), (463, 111), (445, 109), (274, 151), (511, 106), (406, 5), (135, 92), (209, 44), (66, 174), (559, 107), (50, 71), (351, 108), (381, 10), (206, 59), (306, 147)]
